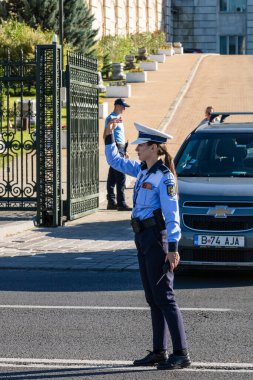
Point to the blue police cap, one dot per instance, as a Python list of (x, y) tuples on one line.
[(121, 102)]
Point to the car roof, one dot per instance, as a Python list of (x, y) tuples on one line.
[(225, 127)]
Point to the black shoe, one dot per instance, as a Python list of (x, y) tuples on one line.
[(175, 362), (111, 206), (152, 359), (124, 208)]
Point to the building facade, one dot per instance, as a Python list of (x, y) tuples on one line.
[(121, 17), (215, 26)]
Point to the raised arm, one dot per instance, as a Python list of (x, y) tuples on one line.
[(113, 157)]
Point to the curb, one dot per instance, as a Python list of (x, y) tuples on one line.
[(16, 228)]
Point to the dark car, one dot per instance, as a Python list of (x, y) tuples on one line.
[(215, 178), (194, 50)]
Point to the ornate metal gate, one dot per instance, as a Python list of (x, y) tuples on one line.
[(83, 138), (18, 185), (30, 135), (49, 79)]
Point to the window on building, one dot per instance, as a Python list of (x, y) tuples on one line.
[(232, 44), (233, 5), (223, 44), (223, 5), (241, 45)]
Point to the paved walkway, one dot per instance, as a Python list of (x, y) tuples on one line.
[(104, 241), (152, 101), (224, 82)]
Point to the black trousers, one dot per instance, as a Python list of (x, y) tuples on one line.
[(118, 179), (165, 314)]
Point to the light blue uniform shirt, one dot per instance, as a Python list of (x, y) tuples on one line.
[(119, 131), (154, 188)]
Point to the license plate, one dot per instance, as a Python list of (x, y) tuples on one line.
[(219, 241)]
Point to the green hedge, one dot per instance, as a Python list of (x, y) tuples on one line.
[(16, 36)]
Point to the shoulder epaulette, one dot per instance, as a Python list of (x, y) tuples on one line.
[(163, 168)]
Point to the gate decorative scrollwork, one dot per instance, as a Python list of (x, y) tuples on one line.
[(18, 184), (82, 129), (30, 135)]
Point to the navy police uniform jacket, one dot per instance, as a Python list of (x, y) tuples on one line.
[(154, 188)]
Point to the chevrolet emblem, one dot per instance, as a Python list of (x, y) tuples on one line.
[(220, 211)]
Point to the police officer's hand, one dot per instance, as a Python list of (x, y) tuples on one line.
[(111, 125), (173, 258)]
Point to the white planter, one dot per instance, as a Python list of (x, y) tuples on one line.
[(157, 57), (28, 106), (149, 66), (179, 50), (118, 91), (137, 76), (103, 110), (167, 52)]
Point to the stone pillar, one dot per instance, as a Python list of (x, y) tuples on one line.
[(117, 71), (129, 62)]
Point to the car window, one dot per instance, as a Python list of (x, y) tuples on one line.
[(217, 155)]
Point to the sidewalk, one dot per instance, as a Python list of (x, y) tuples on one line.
[(104, 240), (14, 222)]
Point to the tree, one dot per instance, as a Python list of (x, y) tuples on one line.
[(3, 10), (16, 36), (78, 19), (35, 13), (78, 29), (43, 13)]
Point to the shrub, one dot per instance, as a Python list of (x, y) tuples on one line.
[(114, 48), (158, 39), (16, 36), (151, 41), (141, 40), (106, 66)]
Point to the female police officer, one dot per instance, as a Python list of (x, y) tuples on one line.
[(155, 197)]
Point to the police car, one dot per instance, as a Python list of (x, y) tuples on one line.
[(215, 178)]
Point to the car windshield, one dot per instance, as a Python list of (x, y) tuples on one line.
[(216, 155)]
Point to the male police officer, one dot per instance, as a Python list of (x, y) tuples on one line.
[(114, 176)]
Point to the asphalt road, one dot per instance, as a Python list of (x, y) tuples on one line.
[(70, 325)]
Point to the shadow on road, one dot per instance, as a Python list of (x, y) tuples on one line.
[(109, 281), (68, 281), (73, 373)]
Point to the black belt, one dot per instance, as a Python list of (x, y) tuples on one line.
[(140, 225)]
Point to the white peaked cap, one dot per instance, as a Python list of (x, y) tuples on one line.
[(149, 134)]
